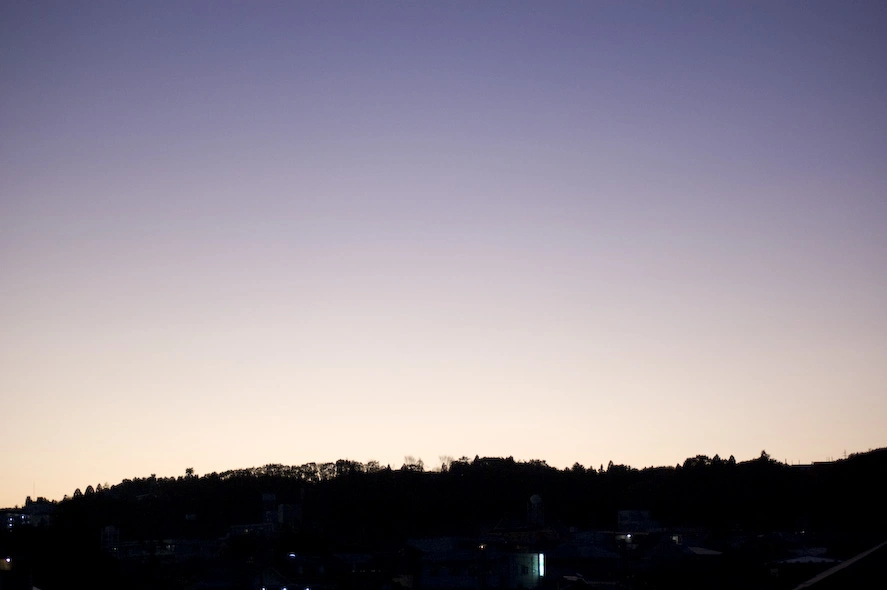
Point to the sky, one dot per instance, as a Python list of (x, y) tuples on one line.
[(241, 233)]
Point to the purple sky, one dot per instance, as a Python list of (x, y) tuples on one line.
[(233, 234)]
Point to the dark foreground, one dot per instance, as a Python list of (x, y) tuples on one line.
[(482, 523)]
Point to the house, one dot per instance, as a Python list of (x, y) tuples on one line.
[(448, 562)]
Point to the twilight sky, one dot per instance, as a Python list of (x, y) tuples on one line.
[(238, 233)]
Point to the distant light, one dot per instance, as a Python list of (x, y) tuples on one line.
[(628, 536), (541, 564), (292, 555), (8, 559)]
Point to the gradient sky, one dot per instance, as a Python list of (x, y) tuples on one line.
[(237, 233)]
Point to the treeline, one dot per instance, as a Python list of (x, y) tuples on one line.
[(367, 504)]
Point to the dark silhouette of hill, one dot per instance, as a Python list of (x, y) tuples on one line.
[(318, 509)]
